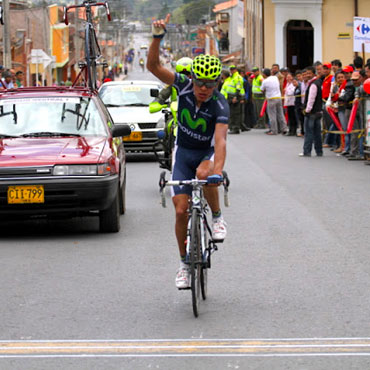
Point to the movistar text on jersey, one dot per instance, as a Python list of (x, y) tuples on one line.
[(194, 135)]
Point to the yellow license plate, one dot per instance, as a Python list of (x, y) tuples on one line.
[(26, 194), (134, 136)]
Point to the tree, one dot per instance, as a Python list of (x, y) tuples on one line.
[(193, 11), (164, 11)]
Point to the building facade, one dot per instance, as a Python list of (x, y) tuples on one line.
[(254, 36), (296, 33)]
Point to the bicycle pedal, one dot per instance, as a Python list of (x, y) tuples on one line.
[(184, 288), (218, 241)]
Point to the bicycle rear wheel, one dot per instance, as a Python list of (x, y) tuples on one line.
[(195, 261), (90, 54)]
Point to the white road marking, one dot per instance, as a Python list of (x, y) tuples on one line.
[(268, 347)]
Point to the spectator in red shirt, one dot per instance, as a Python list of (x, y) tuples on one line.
[(327, 80), (284, 71), (329, 140), (339, 85)]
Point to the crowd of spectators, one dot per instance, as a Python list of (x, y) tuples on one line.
[(10, 78), (314, 103)]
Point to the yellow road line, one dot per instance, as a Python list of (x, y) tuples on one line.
[(226, 347)]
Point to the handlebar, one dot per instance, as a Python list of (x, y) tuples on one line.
[(194, 182), (86, 4)]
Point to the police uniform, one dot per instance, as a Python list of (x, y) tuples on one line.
[(258, 99), (233, 88)]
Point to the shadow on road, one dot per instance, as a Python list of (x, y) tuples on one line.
[(140, 157), (19, 229)]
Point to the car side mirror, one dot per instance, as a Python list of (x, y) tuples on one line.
[(154, 93), (120, 130)]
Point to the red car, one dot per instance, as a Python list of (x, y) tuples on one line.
[(61, 155)]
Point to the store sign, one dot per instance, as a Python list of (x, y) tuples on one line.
[(197, 51), (344, 36), (193, 36), (38, 56), (361, 34)]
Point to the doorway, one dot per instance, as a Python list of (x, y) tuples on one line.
[(299, 44)]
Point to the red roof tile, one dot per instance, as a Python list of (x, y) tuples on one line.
[(225, 5)]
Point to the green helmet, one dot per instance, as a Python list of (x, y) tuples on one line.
[(184, 65), (207, 67)]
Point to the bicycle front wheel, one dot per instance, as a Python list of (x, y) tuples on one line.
[(195, 261), (90, 54), (203, 281), (204, 266)]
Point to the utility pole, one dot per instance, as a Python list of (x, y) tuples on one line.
[(7, 56), (45, 22), (77, 39)]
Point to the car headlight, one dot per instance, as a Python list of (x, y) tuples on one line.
[(75, 170), (85, 169), (161, 123)]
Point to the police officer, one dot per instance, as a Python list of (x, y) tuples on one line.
[(258, 96), (233, 91)]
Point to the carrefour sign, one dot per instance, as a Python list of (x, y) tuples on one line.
[(361, 34)]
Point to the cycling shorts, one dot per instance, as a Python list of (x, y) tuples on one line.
[(185, 164)]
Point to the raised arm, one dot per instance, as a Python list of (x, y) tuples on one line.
[(153, 63)]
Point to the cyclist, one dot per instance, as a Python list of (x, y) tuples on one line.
[(200, 149)]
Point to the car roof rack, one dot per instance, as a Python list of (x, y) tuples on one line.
[(78, 89)]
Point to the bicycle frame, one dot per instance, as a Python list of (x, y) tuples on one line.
[(88, 4), (199, 203), (198, 251)]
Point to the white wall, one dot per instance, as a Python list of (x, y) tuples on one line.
[(286, 10), (234, 36)]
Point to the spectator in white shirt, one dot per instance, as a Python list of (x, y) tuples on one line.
[(289, 102), (271, 87)]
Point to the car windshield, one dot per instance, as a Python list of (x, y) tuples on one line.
[(50, 116), (126, 95)]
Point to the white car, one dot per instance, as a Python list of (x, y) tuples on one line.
[(128, 102)]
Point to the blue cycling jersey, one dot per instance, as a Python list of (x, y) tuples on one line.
[(196, 126)]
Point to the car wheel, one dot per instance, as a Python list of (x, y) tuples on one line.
[(109, 219), (122, 197)]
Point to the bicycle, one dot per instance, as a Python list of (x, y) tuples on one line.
[(92, 49), (199, 243)]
